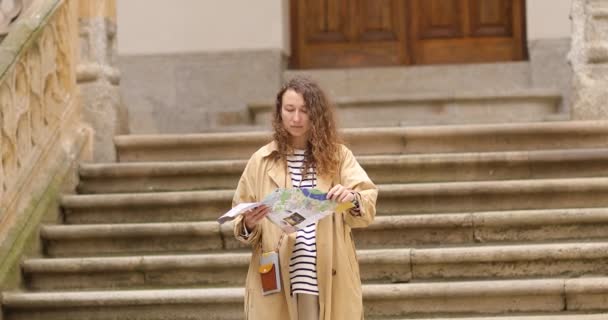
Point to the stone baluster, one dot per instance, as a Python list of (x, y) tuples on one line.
[(98, 76)]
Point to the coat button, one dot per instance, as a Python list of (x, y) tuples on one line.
[(333, 272)]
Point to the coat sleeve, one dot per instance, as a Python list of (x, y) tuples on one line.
[(245, 192), (354, 177)]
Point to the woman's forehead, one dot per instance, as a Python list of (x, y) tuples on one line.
[(291, 97)]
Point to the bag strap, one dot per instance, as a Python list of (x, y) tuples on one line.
[(278, 244)]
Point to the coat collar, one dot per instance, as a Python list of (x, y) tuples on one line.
[(277, 170)]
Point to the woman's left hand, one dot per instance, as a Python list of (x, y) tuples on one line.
[(341, 193)]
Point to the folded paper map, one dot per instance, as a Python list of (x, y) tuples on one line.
[(292, 209)]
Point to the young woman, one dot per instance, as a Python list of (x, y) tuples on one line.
[(318, 264)]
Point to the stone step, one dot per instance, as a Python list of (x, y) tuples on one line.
[(380, 300), (146, 207), (197, 270), (430, 108), (377, 266), (128, 239), (524, 226), (554, 316), (375, 141), (385, 232), (203, 175), (393, 199), (340, 82), (474, 196)]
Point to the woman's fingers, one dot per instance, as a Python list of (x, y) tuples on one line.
[(255, 215), (346, 196), (335, 192), (340, 193)]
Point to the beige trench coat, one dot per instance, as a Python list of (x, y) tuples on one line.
[(337, 266)]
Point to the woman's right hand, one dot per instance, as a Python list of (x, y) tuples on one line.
[(254, 216)]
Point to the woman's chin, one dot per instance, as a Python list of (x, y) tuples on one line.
[(296, 134)]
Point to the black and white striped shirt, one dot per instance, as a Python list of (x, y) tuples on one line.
[(303, 264)]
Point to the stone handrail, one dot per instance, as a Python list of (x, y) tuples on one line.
[(38, 93)]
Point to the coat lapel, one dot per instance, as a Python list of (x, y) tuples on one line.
[(277, 173)]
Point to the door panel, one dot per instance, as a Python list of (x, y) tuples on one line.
[(377, 21), (466, 31), (491, 18), (361, 33), (348, 33), (439, 19), (326, 20)]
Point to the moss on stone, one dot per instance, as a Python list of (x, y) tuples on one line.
[(23, 237), (23, 34)]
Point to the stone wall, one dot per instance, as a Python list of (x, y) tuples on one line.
[(183, 93), (589, 58), (549, 67)]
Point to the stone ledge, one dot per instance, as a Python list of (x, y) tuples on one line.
[(495, 254), (587, 293), (395, 140), (599, 12), (169, 176), (169, 168), (492, 288), (193, 139), (493, 187), (495, 106), (416, 78), (473, 196), (403, 259), (145, 199), (123, 230), (223, 295), (88, 72), (385, 232), (359, 101), (501, 219), (541, 217), (598, 53), (137, 169), (139, 263), (587, 285), (432, 197), (487, 288), (122, 298), (555, 316), (418, 221), (176, 262)]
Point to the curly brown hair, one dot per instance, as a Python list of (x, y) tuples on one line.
[(323, 143)]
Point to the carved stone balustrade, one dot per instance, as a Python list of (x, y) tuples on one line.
[(42, 135)]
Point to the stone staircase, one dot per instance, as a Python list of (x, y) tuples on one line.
[(502, 221)]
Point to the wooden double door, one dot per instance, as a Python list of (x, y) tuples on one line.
[(360, 33)]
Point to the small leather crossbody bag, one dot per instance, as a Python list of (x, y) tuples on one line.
[(269, 269)]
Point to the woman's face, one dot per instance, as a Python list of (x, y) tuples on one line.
[(296, 121)]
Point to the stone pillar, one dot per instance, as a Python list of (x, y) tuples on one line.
[(99, 78), (589, 59)]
